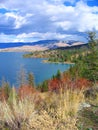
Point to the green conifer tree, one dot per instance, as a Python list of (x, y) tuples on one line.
[(91, 59)]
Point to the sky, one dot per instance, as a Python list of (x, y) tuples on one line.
[(34, 20)]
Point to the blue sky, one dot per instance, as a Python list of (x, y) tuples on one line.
[(32, 20)]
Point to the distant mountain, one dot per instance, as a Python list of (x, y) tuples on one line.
[(43, 42), (39, 45), (20, 44), (46, 42), (70, 42)]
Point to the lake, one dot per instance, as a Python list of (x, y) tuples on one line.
[(12, 62)]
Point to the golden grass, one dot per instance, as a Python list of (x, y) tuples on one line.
[(16, 112), (56, 112), (63, 108)]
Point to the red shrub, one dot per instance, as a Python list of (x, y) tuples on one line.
[(26, 91), (82, 83), (54, 84), (3, 95), (66, 77), (67, 83)]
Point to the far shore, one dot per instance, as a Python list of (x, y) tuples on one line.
[(32, 49), (67, 62), (24, 49)]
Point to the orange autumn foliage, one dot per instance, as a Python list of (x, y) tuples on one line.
[(29, 92), (66, 77), (26, 91), (3, 95), (54, 84), (82, 83), (67, 83)]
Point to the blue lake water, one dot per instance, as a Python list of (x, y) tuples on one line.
[(12, 62)]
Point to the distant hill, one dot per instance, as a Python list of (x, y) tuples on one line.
[(20, 44), (39, 45)]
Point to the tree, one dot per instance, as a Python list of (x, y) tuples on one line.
[(43, 87), (91, 40), (91, 67), (31, 79), (87, 65), (58, 75), (91, 59), (5, 89), (22, 77)]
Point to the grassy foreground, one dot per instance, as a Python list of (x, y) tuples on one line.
[(51, 112), (66, 110)]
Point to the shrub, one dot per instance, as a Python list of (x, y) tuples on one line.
[(54, 84), (26, 91)]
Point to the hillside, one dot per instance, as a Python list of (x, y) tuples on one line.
[(61, 54), (39, 45)]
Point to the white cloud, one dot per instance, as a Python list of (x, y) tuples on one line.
[(44, 19), (19, 20), (65, 25), (6, 38), (35, 36), (80, 18)]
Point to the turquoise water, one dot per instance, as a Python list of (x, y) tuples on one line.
[(12, 62)]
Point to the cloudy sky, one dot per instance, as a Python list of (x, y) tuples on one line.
[(32, 20)]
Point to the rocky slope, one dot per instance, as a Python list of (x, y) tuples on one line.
[(38, 46)]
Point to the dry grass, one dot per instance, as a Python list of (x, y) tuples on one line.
[(16, 113), (57, 112), (63, 108)]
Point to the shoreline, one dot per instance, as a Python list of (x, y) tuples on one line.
[(46, 61), (24, 49)]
